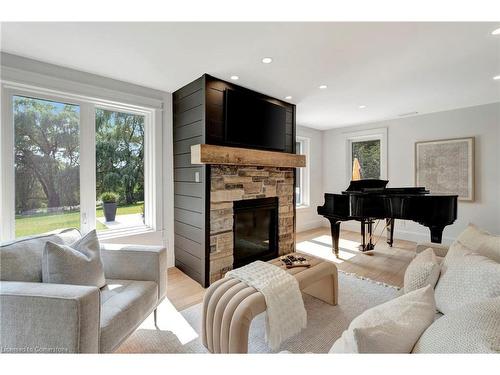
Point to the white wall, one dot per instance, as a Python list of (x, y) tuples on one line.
[(482, 122), (307, 218)]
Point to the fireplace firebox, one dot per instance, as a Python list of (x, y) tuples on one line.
[(255, 230)]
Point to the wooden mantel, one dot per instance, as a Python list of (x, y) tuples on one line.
[(213, 154)]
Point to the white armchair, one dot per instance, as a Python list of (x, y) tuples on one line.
[(40, 318), (59, 318)]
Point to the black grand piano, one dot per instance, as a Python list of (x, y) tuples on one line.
[(370, 199)]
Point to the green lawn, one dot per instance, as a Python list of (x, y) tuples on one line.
[(36, 224)]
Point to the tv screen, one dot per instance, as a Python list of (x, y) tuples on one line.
[(253, 122)]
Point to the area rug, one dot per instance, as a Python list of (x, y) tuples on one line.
[(179, 332)]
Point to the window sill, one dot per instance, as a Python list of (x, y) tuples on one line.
[(124, 232), (303, 207)]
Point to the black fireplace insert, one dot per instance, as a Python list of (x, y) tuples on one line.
[(255, 230)]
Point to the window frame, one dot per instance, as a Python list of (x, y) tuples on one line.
[(304, 173), (379, 134), (88, 105)]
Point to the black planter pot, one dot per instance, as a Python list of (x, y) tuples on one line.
[(109, 211)]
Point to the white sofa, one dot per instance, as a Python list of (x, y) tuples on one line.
[(42, 317), (450, 303), (469, 319)]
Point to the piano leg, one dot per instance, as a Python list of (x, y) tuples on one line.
[(436, 233), (363, 236), (369, 245), (366, 235), (335, 226), (390, 230)]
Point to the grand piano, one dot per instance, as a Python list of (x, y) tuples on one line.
[(370, 199)]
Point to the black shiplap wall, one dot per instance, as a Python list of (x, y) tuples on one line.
[(199, 118), (189, 194)]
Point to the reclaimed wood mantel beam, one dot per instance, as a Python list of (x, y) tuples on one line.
[(213, 154)]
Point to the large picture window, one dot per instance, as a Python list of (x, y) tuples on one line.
[(59, 155)]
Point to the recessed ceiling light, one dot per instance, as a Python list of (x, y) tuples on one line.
[(496, 78), (322, 87), (496, 32), (362, 106), (235, 78), (288, 97), (267, 60)]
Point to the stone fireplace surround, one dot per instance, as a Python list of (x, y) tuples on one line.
[(230, 183)]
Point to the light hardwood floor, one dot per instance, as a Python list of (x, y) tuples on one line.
[(385, 264)]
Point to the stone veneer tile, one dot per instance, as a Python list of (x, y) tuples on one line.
[(253, 173), (221, 205), (235, 179), (224, 241), (270, 190), (216, 183), (233, 186), (253, 187), (226, 195), (221, 225)]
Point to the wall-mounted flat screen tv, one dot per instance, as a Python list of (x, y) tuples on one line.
[(253, 122)]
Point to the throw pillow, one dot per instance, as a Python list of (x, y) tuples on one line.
[(466, 278), (480, 241), (473, 328), (423, 270), (392, 327), (21, 260), (79, 263)]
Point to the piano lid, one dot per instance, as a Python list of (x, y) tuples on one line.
[(370, 183), (374, 186)]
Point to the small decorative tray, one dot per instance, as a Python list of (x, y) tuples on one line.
[(291, 261)]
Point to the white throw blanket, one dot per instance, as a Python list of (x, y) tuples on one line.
[(286, 315)]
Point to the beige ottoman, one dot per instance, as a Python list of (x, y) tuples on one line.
[(230, 305)]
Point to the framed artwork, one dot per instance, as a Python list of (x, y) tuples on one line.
[(446, 166)]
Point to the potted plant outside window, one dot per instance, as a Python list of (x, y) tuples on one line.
[(109, 200)]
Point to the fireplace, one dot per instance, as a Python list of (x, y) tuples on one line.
[(236, 191), (255, 230)]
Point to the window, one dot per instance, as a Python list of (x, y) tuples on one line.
[(60, 152), (367, 155), (47, 165), (120, 168), (302, 174)]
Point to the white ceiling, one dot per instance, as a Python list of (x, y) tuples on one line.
[(392, 68)]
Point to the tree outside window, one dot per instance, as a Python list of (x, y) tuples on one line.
[(367, 153), (120, 165), (120, 155), (47, 165)]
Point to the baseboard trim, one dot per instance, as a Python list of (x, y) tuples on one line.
[(419, 237), (313, 224)]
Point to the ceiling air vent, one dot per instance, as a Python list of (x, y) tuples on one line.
[(408, 114)]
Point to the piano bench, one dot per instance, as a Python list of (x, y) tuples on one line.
[(229, 305)]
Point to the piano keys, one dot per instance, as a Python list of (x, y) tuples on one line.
[(369, 200)]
